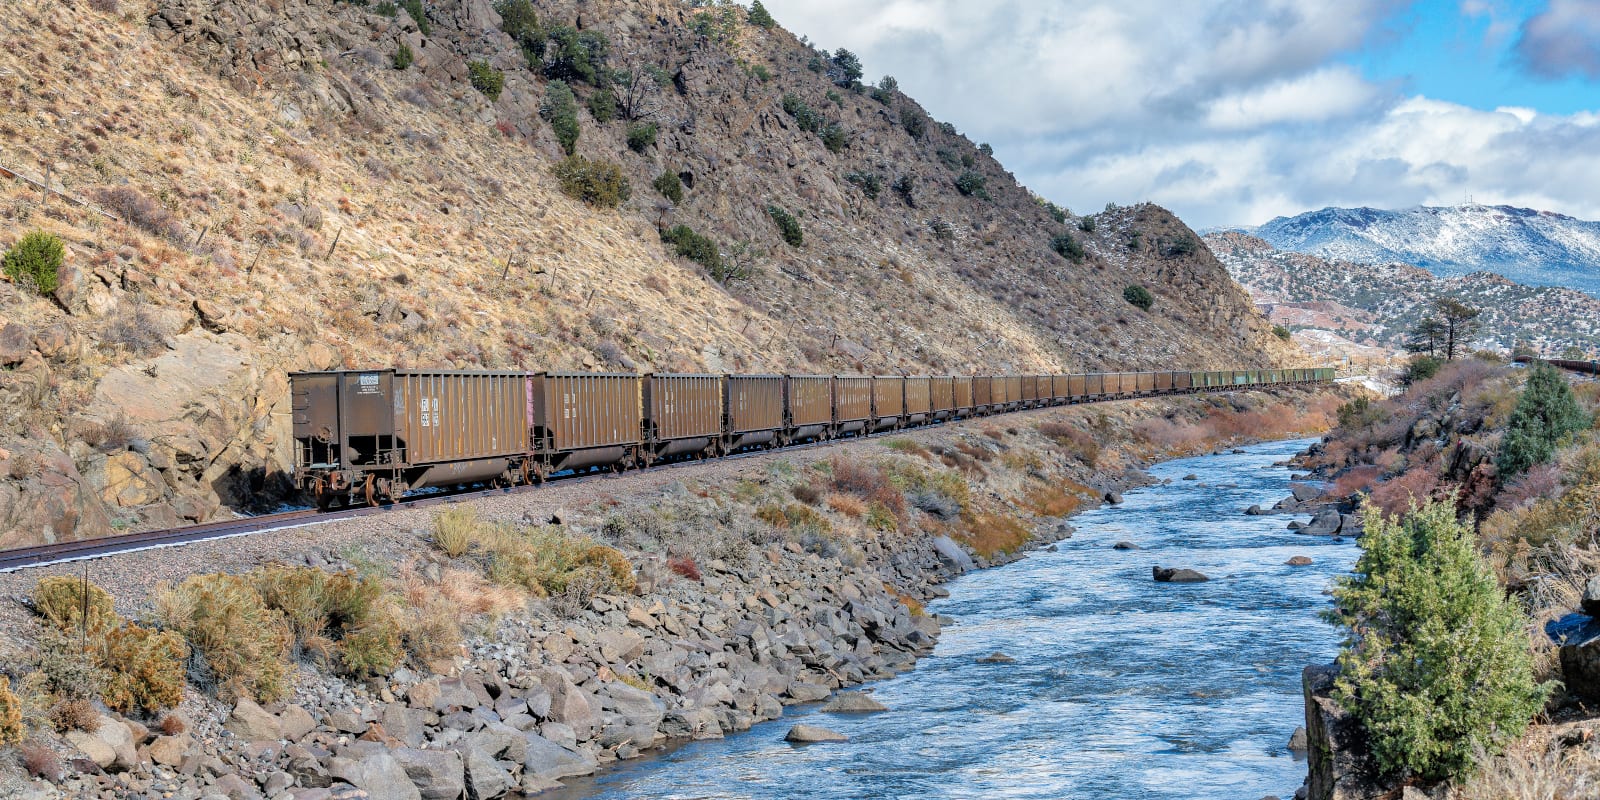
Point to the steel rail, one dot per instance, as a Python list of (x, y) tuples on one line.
[(62, 552)]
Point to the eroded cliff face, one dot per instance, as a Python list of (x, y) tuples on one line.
[(247, 188)]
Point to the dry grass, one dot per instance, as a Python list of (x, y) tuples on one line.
[(244, 644), (40, 761), (992, 534), (456, 530), (848, 505), (1537, 768), (912, 604), (1052, 501)]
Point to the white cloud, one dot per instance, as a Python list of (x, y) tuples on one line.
[(1563, 40), (1227, 111)]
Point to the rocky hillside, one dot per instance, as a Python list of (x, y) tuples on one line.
[(1374, 305), (1527, 246), (247, 188)]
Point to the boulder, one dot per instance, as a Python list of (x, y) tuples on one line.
[(1299, 561), (1178, 575), (16, 344), (1591, 597), (1338, 764), (437, 774), (854, 703), (1297, 740), (1126, 545), (234, 787), (126, 480), (53, 341), (810, 734), (169, 750), (551, 761), (252, 723), (952, 554), (93, 747), (424, 695), (1114, 498), (1579, 638), (1304, 492), (1191, 477), (377, 773), (1255, 511), (296, 723), (1326, 523), (996, 657), (485, 778)]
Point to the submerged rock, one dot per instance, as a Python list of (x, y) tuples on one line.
[(811, 734), (1299, 561), (997, 657), (1126, 545), (1179, 575), (854, 703)]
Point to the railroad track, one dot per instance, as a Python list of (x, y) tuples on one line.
[(63, 552)]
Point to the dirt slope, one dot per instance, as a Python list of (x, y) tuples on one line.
[(248, 187)]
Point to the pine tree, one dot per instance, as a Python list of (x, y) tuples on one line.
[(1437, 665), (759, 16), (1545, 414)]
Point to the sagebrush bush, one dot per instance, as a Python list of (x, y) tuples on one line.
[(669, 185), (371, 648), (76, 714), (806, 117), (603, 105), (60, 600), (788, 225), (641, 135), (1139, 296), (145, 669), (1067, 247), (35, 261), (869, 183), (598, 183), (694, 247), (140, 211), (546, 561), (486, 79), (1437, 666), (1546, 413), (1281, 332), (11, 730), (238, 643)]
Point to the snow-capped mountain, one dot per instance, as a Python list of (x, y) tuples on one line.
[(1537, 248)]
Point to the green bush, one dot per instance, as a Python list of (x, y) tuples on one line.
[(986, 149), (1086, 224), (760, 17), (560, 109), (1056, 212), (972, 184), (578, 56), (869, 183), (849, 67), (1360, 413), (414, 8), (761, 73), (881, 95), (787, 224), (906, 187), (519, 21), (35, 260), (1139, 296), (693, 246), (598, 183), (804, 115), (641, 135), (670, 186), (914, 123), (948, 158), (834, 138), (403, 57), (1546, 413), (386, 9), (486, 79), (1421, 368), (1281, 332), (1437, 665), (603, 105), (1067, 247)]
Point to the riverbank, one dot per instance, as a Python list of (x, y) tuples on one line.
[(754, 585)]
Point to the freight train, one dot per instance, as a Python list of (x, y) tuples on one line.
[(371, 436)]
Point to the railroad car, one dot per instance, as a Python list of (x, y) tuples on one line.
[(369, 436)]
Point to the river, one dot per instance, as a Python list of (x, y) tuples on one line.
[(1121, 687)]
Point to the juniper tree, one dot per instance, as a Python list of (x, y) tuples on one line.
[(1546, 413)]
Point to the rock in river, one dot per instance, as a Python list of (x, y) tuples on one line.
[(1179, 575), (808, 734), (996, 657), (1299, 561), (1125, 545), (854, 703)]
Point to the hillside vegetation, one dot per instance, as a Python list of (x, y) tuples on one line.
[(249, 187), (1378, 305)]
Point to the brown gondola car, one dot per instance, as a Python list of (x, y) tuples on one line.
[(808, 406), (942, 397), (1163, 381), (682, 415), (888, 401), (1146, 382), (370, 435), (983, 387), (754, 411), (1077, 388), (580, 420), (919, 400), (962, 387), (1014, 399), (1182, 381), (852, 404)]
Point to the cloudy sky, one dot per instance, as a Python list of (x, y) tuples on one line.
[(1237, 111)]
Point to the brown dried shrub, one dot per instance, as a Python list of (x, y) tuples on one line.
[(41, 762), (140, 211), (684, 566), (75, 715), (171, 725)]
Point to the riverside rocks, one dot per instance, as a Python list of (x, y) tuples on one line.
[(854, 703), (810, 734)]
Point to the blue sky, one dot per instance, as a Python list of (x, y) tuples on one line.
[(1236, 111)]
